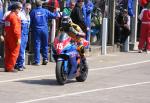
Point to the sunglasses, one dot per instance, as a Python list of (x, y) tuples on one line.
[(28, 8)]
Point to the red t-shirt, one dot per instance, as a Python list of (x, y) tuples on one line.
[(54, 4), (143, 2)]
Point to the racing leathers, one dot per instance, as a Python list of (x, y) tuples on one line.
[(76, 33)]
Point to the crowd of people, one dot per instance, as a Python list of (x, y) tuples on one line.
[(22, 17), (123, 24)]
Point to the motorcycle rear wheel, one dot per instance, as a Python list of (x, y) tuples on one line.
[(61, 76)]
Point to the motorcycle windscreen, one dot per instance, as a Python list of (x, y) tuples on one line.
[(62, 36)]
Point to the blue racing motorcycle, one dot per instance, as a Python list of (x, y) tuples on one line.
[(69, 63)]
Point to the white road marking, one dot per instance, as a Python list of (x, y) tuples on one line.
[(25, 78), (84, 92), (96, 69), (122, 65)]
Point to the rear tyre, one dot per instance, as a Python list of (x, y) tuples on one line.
[(61, 76)]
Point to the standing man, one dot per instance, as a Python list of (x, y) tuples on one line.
[(145, 29), (25, 23), (87, 9), (12, 37), (68, 9), (39, 25), (77, 15)]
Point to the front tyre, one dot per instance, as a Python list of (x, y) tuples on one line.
[(60, 74), (83, 71)]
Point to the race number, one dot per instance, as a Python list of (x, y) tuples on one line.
[(59, 46)]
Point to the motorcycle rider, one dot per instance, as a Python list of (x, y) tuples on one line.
[(77, 35), (75, 32)]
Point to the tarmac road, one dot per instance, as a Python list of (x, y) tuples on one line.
[(114, 78)]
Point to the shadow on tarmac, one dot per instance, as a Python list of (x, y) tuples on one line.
[(52, 82)]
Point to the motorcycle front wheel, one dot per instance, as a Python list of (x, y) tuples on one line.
[(61, 76)]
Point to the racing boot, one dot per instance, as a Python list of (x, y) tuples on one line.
[(81, 50)]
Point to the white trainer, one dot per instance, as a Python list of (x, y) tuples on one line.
[(140, 51), (148, 51)]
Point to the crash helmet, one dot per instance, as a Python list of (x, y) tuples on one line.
[(66, 20)]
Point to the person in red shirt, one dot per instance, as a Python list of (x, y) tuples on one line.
[(12, 37), (143, 3), (145, 29), (53, 5)]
